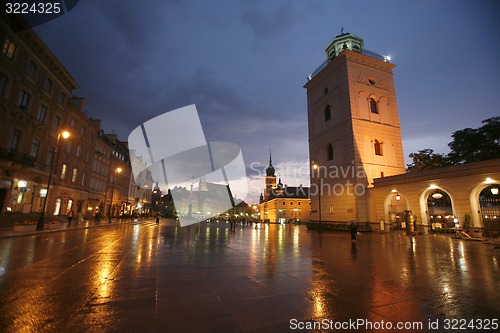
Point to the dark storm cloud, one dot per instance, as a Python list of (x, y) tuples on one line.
[(244, 64)]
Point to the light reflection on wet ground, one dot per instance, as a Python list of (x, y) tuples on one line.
[(149, 278)]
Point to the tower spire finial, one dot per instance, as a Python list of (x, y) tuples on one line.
[(270, 168)]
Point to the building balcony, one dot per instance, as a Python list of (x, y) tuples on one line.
[(17, 157)]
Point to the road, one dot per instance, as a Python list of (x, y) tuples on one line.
[(145, 277)]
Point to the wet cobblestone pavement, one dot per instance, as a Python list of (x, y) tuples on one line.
[(162, 278)]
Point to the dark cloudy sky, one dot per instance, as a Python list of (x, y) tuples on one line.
[(243, 63)]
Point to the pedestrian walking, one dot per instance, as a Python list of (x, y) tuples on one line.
[(70, 216), (97, 215), (232, 222), (79, 217), (157, 218), (353, 229)]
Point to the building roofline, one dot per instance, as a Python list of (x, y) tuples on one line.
[(441, 173)]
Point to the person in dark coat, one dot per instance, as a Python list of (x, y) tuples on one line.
[(70, 216), (353, 228)]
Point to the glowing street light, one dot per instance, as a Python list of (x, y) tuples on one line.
[(41, 220), (117, 170), (315, 166)]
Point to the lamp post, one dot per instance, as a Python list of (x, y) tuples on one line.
[(117, 170), (41, 220), (316, 167)]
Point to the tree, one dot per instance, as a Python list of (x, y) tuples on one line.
[(426, 159), (474, 145)]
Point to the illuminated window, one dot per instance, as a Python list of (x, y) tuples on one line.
[(378, 148), (328, 113), (330, 152), (63, 171), (75, 175), (70, 204), (331, 209), (9, 48), (57, 208)]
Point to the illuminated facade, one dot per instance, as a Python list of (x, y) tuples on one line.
[(354, 133), (35, 107), (34, 94), (283, 204), (357, 164)]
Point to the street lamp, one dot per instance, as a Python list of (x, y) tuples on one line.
[(316, 167), (117, 170), (41, 220)]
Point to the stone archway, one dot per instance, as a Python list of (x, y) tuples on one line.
[(395, 204), (477, 211), (485, 204), (436, 208)]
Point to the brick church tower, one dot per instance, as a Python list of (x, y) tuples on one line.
[(354, 132)]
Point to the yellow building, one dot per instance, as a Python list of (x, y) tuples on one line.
[(281, 203), (357, 160)]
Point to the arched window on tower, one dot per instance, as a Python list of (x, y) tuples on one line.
[(373, 105), (378, 147), (328, 113), (330, 152)]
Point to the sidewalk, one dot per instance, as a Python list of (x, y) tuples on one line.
[(8, 231)]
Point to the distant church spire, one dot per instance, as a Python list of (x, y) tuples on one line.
[(270, 169)]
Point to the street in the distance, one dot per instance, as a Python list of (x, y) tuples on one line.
[(144, 277)]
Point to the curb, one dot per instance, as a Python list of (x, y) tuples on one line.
[(11, 234)]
